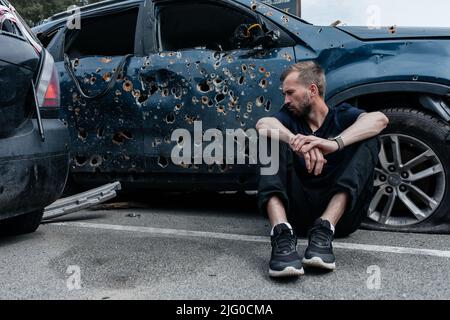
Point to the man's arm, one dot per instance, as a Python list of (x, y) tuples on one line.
[(274, 124), (367, 126), (314, 158)]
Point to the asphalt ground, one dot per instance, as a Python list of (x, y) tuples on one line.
[(207, 247)]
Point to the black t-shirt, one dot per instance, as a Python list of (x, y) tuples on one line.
[(337, 121)]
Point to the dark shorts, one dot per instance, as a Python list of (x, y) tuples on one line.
[(305, 200)]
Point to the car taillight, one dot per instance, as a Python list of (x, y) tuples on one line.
[(47, 86), (52, 95)]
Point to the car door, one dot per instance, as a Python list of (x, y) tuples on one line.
[(197, 72), (99, 92)]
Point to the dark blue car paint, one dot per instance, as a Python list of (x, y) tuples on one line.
[(127, 134)]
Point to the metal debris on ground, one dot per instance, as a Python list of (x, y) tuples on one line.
[(81, 201)]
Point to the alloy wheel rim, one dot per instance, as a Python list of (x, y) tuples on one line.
[(409, 182)]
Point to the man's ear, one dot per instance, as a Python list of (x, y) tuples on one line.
[(314, 89)]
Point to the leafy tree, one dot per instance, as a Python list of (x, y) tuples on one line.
[(34, 11)]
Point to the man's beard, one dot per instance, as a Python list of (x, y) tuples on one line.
[(305, 110)]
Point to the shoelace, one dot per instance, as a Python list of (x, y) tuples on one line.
[(285, 242), (321, 236)]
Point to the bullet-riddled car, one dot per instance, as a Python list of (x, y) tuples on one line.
[(34, 157), (132, 72)]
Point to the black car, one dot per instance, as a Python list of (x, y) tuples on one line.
[(34, 159), (136, 71)]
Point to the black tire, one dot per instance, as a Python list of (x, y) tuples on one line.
[(420, 127), (23, 224)]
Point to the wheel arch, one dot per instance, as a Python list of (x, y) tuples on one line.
[(425, 96)]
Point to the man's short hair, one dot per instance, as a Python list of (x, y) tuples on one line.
[(310, 72)]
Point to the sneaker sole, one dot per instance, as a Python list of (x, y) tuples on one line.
[(288, 272), (317, 262)]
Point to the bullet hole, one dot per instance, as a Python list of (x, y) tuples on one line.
[(194, 100), (80, 161), (98, 70), (285, 19), (137, 94), (238, 109), (121, 136), (220, 97), (230, 59), (168, 140), (254, 6), (392, 29), (162, 54), (217, 55), (260, 101), (241, 80), (76, 63), (218, 81), (118, 93), (225, 90), (96, 161), (142, 98), (263, 83), (178, 107), (287, 56), (217, 64), (100, 132), (204, 87), (107, 77), (105, 60), (252, 75), (82, 134), (177, 93), (221, 109), (262, 70), (244, 68), (249, 108), (268, 105), (203, 71), (128, 86), (205, 100), (170, 118), (415, 78), (320, 30), (165, 92), (163, 162), (267, 74), (210, 104)]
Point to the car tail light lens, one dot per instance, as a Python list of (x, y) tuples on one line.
[(52, 95), (47, 88)]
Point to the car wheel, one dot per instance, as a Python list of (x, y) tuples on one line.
[(23, 224), (412, 178)]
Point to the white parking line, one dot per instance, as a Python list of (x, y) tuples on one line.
[(247, 238)]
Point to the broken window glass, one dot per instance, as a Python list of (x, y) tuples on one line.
[(201, 25)]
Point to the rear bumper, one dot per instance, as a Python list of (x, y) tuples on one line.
[(33, 173)]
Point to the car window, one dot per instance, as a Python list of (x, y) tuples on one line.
[(203, 25), (107, 35), (10, 26)]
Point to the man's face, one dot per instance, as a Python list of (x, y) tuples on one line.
[(297, 97)]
